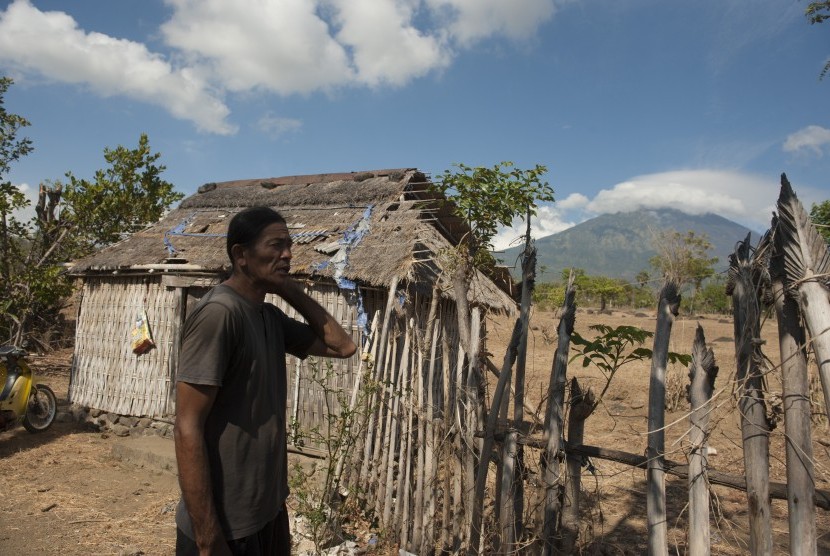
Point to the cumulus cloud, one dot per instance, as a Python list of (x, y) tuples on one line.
[(743, 197), (276, 126), (548, 220), (573, 201), (813, 138), (280, 47), (473, 20), (51, 44)]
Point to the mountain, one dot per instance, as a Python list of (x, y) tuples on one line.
[(620, 245)]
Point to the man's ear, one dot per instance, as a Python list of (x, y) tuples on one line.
[(238, 255)]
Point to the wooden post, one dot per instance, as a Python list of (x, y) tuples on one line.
[(796, 393), (528, 284), (472, 419), (806, 267), (656, 475), (754, 425), (554, 417), (582, 405), (446, 444), (702, 372), (489, 438)]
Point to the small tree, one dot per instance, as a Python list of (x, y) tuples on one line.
[(820, 216), (71, 221), (486, 198), (817, 12), (120, 200), (683, 258)]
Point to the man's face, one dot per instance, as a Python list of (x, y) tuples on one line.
[(268, 260)]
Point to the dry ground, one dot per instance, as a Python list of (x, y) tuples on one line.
[(63, 492)]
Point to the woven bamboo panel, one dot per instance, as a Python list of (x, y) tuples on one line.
[(106, 374)]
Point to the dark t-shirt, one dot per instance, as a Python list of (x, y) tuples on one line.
[(239, 346)]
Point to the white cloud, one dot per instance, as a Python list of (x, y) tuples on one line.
[(812, 137), (279, 46), (573, 201), (548, 220), (386, 47), (735, 195), (472, 20), (51, 44), (276, 127), (274, 46)]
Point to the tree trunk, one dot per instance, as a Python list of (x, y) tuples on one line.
[(702, 372), (656, 479)]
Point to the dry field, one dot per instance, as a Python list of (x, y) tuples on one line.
[(63, 492)]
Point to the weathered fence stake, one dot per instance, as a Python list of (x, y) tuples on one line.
[(554, 417), (796, 393), (656, 475), (754, 425), (702, 373), (489, 435), (807, 267), (582, 405)]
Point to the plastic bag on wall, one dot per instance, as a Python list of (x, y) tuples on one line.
[(142, 338)]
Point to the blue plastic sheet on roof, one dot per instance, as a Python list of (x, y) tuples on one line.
[(178, 230), (351, 237)]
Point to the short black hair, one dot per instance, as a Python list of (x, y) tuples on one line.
[(246, 226)]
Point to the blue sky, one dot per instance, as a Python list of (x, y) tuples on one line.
[(640, 103)]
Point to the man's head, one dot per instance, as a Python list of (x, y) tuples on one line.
[(246, 227)]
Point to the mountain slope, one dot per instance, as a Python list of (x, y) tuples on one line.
[(620, 245)]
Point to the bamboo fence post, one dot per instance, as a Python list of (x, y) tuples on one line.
[(582, 405), (754, 425), (373, 432), (394, 426), (446, 444), (796, 393), (702, 372), (489, 436), (382, 446), (656, 474), (554, 419), (807, 270), (425, 347), (430, 479), (405, 463)]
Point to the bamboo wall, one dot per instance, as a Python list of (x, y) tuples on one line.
[(106, 374)]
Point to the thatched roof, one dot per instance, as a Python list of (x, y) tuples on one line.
[(363, 226)]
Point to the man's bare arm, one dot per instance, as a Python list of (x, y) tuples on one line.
[(193, 403), (332, 340)]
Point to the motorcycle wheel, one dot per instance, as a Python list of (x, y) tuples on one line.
[(42, 408)]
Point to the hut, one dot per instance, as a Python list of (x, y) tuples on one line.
[(367, 245)]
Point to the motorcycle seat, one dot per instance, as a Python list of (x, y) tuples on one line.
[(14, 351)]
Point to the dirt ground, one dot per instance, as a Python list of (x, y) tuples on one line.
[(64, 493)]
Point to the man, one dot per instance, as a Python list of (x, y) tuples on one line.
[(231, 395)]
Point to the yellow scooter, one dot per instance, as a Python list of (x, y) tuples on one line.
[(21, 399)]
